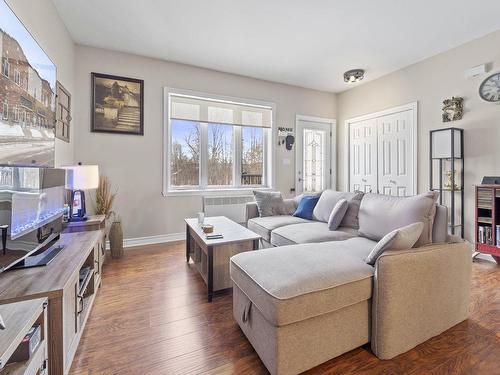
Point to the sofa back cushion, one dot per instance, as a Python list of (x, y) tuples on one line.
[(380, 214), (329, 199), (270, 203)]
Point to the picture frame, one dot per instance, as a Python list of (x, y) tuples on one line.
[(117, 104), (63, 113)]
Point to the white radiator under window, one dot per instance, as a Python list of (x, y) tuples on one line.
[(233, 207)]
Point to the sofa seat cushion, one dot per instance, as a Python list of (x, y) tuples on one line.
[(293, 283), (309, 233), (264, 225)]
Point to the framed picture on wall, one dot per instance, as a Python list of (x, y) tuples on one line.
[(117, 104)]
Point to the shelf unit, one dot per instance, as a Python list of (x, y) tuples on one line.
[(69, 299), (487, 217), (446, 156), (19, 318)]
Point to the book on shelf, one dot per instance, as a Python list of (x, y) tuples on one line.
[(489, 236), (481, 234)]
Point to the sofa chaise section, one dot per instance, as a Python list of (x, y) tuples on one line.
[(302, 305)]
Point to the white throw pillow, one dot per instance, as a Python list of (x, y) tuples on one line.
[(399, 239), (337, 214)]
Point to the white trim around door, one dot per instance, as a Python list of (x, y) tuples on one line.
[(413, 106), (333, 145)]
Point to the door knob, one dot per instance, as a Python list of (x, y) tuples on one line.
[(392, 182)]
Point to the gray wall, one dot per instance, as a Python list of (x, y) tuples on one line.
[(134, 163), (429, 82), (41, 18)]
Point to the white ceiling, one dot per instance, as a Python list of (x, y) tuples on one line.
[(307, 43)]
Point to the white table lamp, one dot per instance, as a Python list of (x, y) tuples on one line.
[(78, 179)]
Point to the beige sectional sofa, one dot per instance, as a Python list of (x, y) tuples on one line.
[(310, 296)]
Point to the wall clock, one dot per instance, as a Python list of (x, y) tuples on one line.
[(490, 88)]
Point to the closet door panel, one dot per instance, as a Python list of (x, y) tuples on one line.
[(363, 156), (395, 134)]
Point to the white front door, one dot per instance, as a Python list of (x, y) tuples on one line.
[(395, 153), (313, 155), (363, 156)]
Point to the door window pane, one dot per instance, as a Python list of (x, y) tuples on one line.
[(252, 155), (220, 155), (314, 160), (185, 153)]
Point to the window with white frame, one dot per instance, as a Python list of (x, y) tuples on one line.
[(217, 143), (5, 66), (5, 114), (16, 113), (17, 77)]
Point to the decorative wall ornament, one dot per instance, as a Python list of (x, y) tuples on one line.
[(453, 109), (286, 137)]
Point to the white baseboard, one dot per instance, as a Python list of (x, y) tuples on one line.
[(151, 240)]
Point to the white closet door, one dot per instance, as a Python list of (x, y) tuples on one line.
[(395, 152), (363, 156)]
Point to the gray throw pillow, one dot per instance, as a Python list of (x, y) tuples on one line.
[(329, 199), (399, 239), (337, 214), (380, 214), (269, 203)]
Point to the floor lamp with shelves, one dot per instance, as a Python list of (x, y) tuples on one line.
[(447, 174)]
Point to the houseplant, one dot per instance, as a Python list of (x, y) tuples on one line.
[(104, 199)]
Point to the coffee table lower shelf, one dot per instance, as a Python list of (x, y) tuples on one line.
[(212, 261)]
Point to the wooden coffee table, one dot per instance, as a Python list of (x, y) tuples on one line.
[(211, 257)]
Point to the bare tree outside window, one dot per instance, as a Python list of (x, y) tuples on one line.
[(252, 158), (185, 153), (220, 155)]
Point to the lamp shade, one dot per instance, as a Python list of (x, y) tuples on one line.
[(442, 140), (82, 177)]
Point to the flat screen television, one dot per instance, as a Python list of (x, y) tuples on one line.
[(31, 210), (27, 96)]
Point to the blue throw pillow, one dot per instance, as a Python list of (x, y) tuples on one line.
[(306, 207)]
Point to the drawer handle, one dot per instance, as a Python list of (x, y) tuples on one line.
[(96, 267)]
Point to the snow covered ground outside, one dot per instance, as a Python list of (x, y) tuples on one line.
[(11, 130), (23, 145)]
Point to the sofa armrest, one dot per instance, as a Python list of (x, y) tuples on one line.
[(251, 211), (418, 294)]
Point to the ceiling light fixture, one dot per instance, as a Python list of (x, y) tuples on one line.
[(354, 75)]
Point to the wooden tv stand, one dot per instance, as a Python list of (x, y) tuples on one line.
[(69, 303)]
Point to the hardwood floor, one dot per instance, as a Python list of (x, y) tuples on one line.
[(151, 317)]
